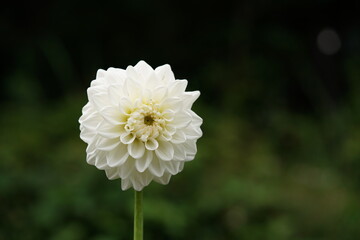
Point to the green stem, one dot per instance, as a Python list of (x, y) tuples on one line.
[(138, 216)]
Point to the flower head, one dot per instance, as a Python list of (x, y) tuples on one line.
[(139, 125)]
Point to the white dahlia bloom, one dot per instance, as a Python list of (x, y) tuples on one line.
[(139, 125)]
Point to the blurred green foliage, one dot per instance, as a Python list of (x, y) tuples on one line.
[(280, 155)]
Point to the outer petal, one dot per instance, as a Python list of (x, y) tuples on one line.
[(165, 74), (118, 156), (165, 151), (143, 163), (156, 168)]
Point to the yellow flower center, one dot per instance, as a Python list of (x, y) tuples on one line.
[(146, 121)]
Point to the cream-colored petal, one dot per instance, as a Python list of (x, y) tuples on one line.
[(100, 161), (190, 149), (91, 158), (196, 120), (127, 168), (151, 81), (190, 98), (112, 173), (90, 121), (178, 137), (106, 144), (100, 73), (159, 93), (112, 115), (136, 149), (172, 167), (156, 168), (91, 147), (125, 184), (179, 152), (192, 132), (177, 87), (127, 138), (115, 93), (107, 130), (143, 163), (165, 74), (165, 179), (115, 76), (99, 100), (173, 103), (151, 144), (133, 89), (181, 120), (168, 115), (165, 151), (143, 69), (118, 156)]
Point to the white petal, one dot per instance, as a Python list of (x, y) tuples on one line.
[(178, 87), (112, 173), (143, 69), (151, 144), (168, 115), (178, 137), (133, 89), (190, 149), (115, 93), (140, 180), (100, 73), (115, 75), (143, 163), (190, 98), (181, 120), (125, 184), (173, 103), (132, 74), (165, 137), (98, 100), (165, 74), (100, 161), (165, 179), (152, 81), (106, 144), (165, 151), (159, 93), (112, 115), (107, 130), (136, 149), (91, 147), (127, 138), (179, 152), (172, 167), (127, 168), (192, 132), (91, 158), (196, 120), (156, 168), (118, 156), (90, 121)]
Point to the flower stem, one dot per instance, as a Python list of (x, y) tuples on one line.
[(138, 216)]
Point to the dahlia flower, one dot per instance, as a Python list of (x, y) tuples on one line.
[(139, 125)]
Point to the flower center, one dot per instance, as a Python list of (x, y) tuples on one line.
[(146, 121)]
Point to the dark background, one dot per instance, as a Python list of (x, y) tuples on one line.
[(280, 83)]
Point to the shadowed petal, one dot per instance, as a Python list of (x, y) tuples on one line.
[(143, 163)]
